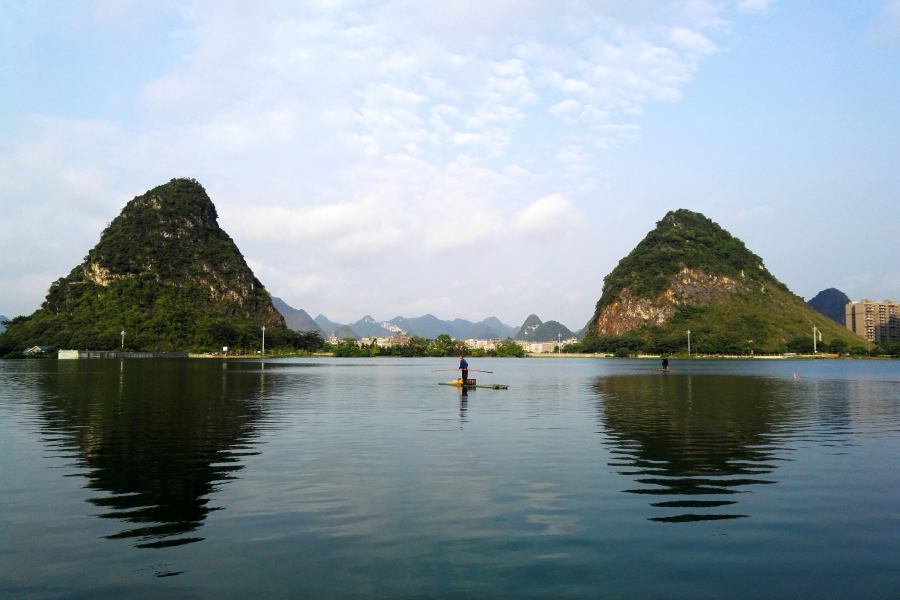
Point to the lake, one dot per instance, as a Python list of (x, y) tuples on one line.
[(363, 478)]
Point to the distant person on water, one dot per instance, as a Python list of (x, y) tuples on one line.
[(464, 367), (665, 364)]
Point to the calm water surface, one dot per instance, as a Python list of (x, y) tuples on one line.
[(364, 479)]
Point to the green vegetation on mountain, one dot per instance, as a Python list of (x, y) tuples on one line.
[(682, 239), (531, 324), (690, 274), (535, 330), (757, 322), (166, 273)]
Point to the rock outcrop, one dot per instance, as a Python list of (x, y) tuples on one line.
[(689, 286)]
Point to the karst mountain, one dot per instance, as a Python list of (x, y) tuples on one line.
[(165, 273), (690, 274)]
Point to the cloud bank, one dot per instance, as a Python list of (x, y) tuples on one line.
[(386, 157)]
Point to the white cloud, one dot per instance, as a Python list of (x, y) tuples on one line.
[(551, 216), (337, 135), (754, 5)]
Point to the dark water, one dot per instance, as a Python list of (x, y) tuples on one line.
[(363, 478)]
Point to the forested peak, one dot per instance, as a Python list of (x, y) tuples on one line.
[(170, 231), (831, 295), (682, 239), (831, 303), (181, 201), (531, 322), (528, 327), (164, 271)]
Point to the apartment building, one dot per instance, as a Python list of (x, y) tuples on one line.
[(877, 322)]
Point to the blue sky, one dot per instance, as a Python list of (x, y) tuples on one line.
[(480, 158)]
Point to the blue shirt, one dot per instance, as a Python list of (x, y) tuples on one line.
[(463, 364)]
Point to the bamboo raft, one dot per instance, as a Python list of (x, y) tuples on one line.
[(471, 383)]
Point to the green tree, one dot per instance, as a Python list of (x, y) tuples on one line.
[(801, 344), (838, 345), (510, 349)]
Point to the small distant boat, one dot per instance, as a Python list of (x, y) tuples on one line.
[(471, 383)]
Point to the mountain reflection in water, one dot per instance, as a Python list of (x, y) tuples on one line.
[(698, 439), (154, 441)]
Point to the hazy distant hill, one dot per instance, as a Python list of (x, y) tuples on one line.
[(296, 319), (344, 331), (583, 331), (481, 332), (369, 327), (503, 330), (690, 274), (831, 303), (338, 330), (429, 326), (326, 325), (2, 326), (166, 273), (534, 330)]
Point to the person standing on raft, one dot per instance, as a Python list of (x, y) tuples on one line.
[(665, 364), (464, 367)]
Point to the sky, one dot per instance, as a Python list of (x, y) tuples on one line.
[(465, 159)]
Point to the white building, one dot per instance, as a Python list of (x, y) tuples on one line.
[(541, 347), (491, 344)]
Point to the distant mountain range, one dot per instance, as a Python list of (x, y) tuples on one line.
[(427, 326), (831, 303), (2, 326)]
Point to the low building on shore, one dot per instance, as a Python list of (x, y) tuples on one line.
[(542, 347), (491, 344)]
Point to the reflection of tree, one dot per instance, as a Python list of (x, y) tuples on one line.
[(157, 437), (701, 437)]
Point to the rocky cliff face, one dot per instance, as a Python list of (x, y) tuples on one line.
[(689, 286)]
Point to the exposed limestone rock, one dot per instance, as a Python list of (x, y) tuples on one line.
[(690, 286)]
